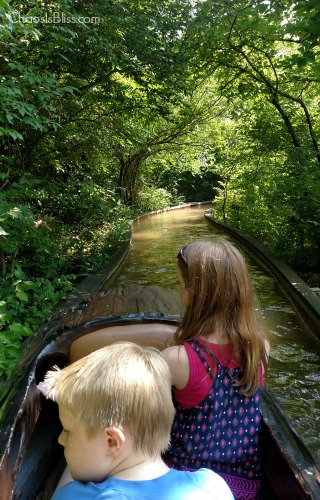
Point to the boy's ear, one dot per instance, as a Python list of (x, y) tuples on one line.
[(114, 440)]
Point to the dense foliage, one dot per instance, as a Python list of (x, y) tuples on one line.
[(110, 108), (265, 57)]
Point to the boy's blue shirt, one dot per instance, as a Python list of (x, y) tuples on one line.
[(174, 485)]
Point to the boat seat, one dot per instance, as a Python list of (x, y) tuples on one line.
[(157, 335)]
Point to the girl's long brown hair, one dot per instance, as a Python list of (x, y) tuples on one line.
[(221, 300)]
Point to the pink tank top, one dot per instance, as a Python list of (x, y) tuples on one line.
[(200, 382)]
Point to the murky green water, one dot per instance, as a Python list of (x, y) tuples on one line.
[(295, 353)]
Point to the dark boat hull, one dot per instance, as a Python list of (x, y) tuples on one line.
[(31, 459)]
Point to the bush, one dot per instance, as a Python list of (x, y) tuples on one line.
[(151, 199), (42, 253), (24, 306)]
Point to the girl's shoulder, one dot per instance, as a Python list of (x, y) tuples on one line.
[(177, 358), (174, 353)]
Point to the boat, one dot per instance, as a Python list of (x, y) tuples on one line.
[(31, 460)]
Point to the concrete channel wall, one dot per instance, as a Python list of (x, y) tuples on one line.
[(306, 302)]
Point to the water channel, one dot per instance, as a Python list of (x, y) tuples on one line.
[(295, 352)]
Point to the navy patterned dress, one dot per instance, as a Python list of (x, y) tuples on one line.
[(222, 433)]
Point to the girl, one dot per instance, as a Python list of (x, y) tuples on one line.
[(218, 365)]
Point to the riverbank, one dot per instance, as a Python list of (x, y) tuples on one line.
[(311, 277)]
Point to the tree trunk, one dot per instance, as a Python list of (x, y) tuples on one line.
[(128, 175), (287, 122)]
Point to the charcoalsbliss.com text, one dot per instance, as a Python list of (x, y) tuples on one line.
[(55, 18)]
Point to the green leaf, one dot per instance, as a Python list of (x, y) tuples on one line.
[(9, 117), (4, 317), (15, 135), (23, 286), (20, 274), (22, 296), (4, 4), (13, 351)]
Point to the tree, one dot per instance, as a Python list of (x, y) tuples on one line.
[(27, 89), (134, 140), (129, 61), (262, 48)]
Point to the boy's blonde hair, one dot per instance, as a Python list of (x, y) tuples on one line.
[(221, 300), (122, 385)]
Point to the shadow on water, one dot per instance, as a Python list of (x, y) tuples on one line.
[(295, 352)]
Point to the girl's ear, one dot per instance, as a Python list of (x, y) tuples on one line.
[(114, 440)]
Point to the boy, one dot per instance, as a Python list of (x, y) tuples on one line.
[(116, 410)]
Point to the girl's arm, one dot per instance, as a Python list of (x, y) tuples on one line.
[(178, 361)]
